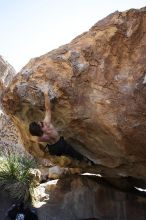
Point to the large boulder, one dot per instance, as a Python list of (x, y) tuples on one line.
[(99, 81)]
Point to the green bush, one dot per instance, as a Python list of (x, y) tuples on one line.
[(15, 177)]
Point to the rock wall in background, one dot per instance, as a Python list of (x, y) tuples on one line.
[(7, 72), (99, 81), (10, 141), (9, 135)]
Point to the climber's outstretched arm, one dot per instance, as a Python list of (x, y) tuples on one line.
[(47, 118)]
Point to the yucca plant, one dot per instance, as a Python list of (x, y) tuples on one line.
[(15, 177)]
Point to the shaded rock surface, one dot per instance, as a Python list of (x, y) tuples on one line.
[(81, 197), (5, 204), (99, 81)]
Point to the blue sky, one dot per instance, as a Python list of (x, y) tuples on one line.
[(30, 28)]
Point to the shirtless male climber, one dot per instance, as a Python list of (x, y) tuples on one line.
[(46, 132)]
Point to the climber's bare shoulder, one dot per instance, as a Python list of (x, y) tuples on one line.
[(50, 134)]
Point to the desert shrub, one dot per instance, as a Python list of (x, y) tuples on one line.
[(15, 177)]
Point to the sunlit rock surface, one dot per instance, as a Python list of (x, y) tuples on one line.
[(81, 197), (7, 72), (99, 81)]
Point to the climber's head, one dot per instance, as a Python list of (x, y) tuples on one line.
[(35, 128)]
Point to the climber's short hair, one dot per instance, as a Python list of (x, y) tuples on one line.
[(35, 129)]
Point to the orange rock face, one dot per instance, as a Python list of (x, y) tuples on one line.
[(99, 81)]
